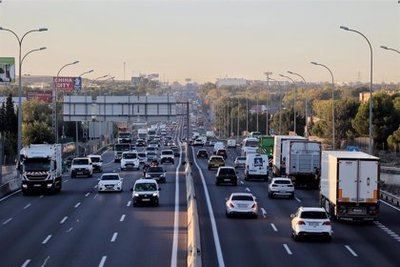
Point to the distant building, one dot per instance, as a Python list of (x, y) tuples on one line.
[(239, 82), (363, 97)]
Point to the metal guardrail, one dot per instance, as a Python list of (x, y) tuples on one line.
[(390, 198), (193, 240), (393, 170)]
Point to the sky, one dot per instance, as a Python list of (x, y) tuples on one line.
[(205, 40)]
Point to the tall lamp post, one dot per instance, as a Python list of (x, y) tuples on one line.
[(333, 102), (294, 101), (20, 40), (280, 104), (370, 145), (55, 119), (306, 108), (267, 73), (390, 49)]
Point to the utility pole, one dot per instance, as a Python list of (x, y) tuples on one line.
[(267, 109), (238, 123), (187, 120)]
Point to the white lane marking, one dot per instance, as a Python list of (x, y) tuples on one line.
[(241, 182), (70, 229), (95, 186), (247, 189), (122, 218), (217, 243), (274, 227), (26, 263), (264, 213), (297, 199), (45, 261), (66, 181), (77, 205), (63, 220), (102, 154), (46, 239), (27, 206), (129, 203), (87, 194), (174, 252), (390, 205), (95, 196), (7, 221), (287, 249), (114, 237), (103, 260), (4, 198), (387, 230), (41, 196), (351, 251)]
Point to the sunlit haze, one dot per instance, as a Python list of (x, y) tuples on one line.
[(205, 40)]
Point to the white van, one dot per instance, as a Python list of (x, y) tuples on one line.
[(256, 167), (231, 143), (249, 146)]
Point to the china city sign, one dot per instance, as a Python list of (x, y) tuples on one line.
[(68, 84)]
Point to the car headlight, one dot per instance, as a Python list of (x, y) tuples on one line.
[(155, 194), (136, 195)]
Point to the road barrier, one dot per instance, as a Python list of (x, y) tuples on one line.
[(390, 198), (193, 240)]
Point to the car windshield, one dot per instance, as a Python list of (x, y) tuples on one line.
[(313, 215), (221, 152), (142, 155), (241, 158), (124, 135), (155, 169), (151, 153), (251, 143), (282, 182), (80, 162), (242, 198), (37, 165), (145, 187), (150, 148), (110, 177), (129, 156), (95, 159), (227, 171), (217, 159), (122, 147), (167, 152)]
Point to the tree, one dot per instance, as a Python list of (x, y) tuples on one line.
[(386, 118), (287, 122), (394, 140), (35, 110), (37, 132)]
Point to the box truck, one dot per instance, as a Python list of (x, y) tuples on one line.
[(40, 168), (279, 162), (302, 159), (350, 185)]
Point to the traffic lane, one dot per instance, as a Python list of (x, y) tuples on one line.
[(389, 217), (25, 233)]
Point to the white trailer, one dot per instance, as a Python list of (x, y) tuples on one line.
[(280, 146), (40, 168), (303, 161), (350, 185)]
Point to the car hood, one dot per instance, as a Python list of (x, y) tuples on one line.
[(112, 182)]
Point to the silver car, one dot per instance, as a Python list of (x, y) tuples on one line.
[(240, 162), (241, 204), (281, 186)]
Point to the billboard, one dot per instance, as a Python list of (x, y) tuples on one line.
[(68, 84), (45, 96), (7, 69)]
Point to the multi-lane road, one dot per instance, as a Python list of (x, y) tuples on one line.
[(81, 227), (267, 241)]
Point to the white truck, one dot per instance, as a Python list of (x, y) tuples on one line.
[(142, 134), (231, 143), (278, 161), (350, 185), (210, 134), (40, 168), (256, 167), (302, 161), (250, 145)]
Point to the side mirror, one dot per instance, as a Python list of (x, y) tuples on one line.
[(98, 179), (101, 161), (226, 199), (159, 189), (292, 216), (131, 189), (184, 163)]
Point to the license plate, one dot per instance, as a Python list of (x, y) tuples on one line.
[(227, 180), (37, 185), (145, 199), (79, 173), (315, 224)]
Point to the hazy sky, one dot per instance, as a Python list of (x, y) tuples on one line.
[(205, 40)]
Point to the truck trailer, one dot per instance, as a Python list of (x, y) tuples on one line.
[(40, 168), (350, 185), (302, 159), (279, 162)]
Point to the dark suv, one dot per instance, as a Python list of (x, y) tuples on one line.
[(222, 153), (202, 153), (226, 175)]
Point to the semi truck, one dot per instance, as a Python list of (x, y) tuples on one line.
[(40, 168), (303, 162), (279, 162), (142, 134), (350, 185)]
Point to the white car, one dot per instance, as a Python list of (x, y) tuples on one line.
[(81, 167), (130, 159), (308, 221), (281, 186), (110, 182), (167, 155), (142, 157), (145, 191), (241, 204), (240, 162), (198, 142), (97, 162)]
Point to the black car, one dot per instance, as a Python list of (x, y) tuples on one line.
[(176, 151), (202, 153), (156, 173), (226, 175), (222, 153), (140, 143)]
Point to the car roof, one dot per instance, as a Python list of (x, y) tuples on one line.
[(203, 150), (215, 156), (82, 158), (312, 209), (242, 194), (110, 173), (145, 181), (164, 150), (94, 156), (226, 167), (281, 179)]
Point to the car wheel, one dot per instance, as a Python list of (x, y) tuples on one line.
[(295, 237), (216, 183), (269, 194), (328, 239), (291, 196), (156, 204), (91, 175), (73, 175), (228, 215), (209, 168)]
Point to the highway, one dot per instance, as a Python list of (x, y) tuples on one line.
[(267, 241), (80, 227)]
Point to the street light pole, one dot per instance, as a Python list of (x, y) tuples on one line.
[(20, 60), (370, 145), (306, 110), (280, 104), (267, 104), (333, 102), (55, 119), (294, 101), (390, 49)]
